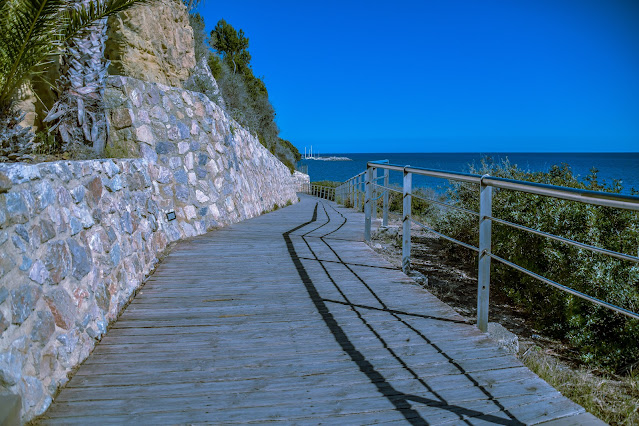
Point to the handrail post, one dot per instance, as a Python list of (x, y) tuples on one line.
[(483, 275), (351, 193), (386, 183), (357, 193), (374, 194), (368, 201), (362, 188), (406, 219)]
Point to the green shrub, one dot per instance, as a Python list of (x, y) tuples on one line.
[(421, 209), (603, 337), (328, 183)]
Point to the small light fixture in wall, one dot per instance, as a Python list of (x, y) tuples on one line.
[(170, 216)]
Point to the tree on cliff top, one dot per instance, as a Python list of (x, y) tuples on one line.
[(232, 45), (245, 95)]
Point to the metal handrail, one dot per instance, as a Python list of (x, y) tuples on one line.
[(452, 206), (616, 254), (351, 189), (388, 188), (446, 237), (566, 288), (607, 199), (322, 191)]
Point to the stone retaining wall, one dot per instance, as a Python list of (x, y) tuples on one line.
[(78, 238)]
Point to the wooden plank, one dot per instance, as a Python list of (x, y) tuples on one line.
[(258, 323)]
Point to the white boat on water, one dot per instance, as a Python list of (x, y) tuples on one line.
[(310, 156)]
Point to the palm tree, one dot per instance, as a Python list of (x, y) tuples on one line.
[(34, 33), (79, 111)]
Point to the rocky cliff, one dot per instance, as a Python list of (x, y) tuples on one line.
[(152, 42)]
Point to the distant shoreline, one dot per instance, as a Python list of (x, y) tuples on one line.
[(329, 158)]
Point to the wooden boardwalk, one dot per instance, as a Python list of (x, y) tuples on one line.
[(291, 318)]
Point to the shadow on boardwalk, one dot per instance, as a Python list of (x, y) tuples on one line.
[(290, 317)]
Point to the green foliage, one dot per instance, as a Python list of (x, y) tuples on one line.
[(199, 36), (120, 149), (232, 45), (245, 95), (191, 4), (327, 183), (603, 337), (215, 64), (421, 209), (45, 143), (296, 154), (34, 32)]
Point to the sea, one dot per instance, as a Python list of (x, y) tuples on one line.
[(620, 166)]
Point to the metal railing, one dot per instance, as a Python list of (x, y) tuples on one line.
[(362, 189), (321, 191)]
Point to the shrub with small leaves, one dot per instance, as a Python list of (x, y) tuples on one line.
[(603, 337)]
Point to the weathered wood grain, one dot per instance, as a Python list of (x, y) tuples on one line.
[(286, 319)]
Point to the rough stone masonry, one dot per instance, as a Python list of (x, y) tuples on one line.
[(77, 238)]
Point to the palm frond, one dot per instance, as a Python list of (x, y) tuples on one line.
[(34, 31), (29, 33), (80, 18)]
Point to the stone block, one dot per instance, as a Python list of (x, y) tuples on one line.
[(165, 148), (39, 272), (189, 212), (16, 206), (183, 147), (144, 134), (175, 162), (26, 263), (504, 338), (78, 193), (6, 263), (181, 177), (62, 307), (202, 159), (47, 230), (182, 193), (110, 168), (183, 131), (121, 118), (188, 161), (148, 153), (43, 327), (112, 185), (80, 259), (94, 194), (5, 183), (10, 367), (57, 260), (23, 302)]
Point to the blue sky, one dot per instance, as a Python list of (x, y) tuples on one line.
[(446, 76)]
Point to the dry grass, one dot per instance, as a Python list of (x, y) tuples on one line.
[(614, 400)]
